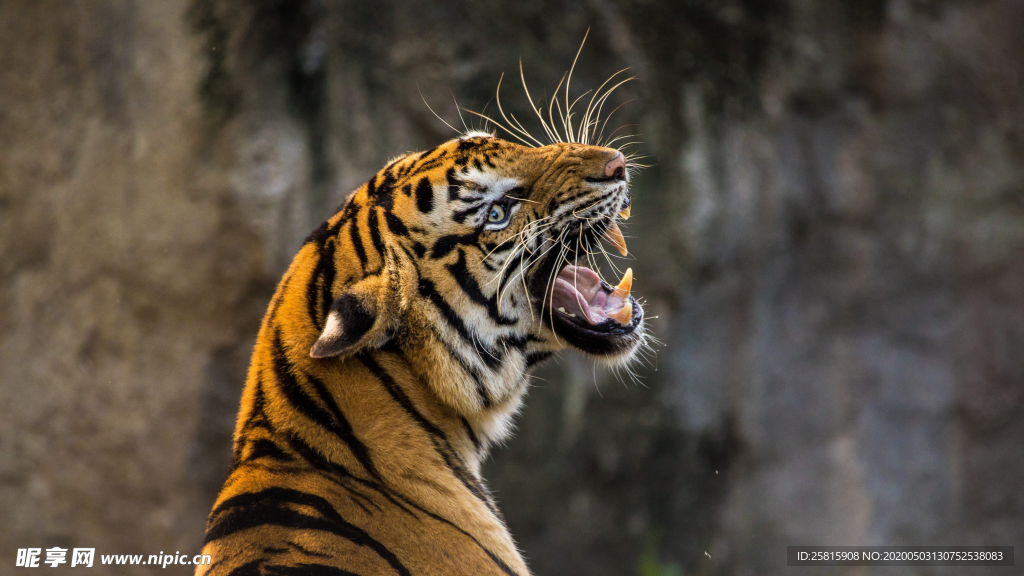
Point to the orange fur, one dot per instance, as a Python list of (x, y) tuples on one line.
[(366, 458)]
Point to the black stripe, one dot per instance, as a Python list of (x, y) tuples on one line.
[(446, 244), (337, 473), (471, 143), (349, 210), (271, 507), (437, 436), (471, 287), (264, 448), (291, 389), (305, 550), (424, 195), (334, 422), (395, 224), (385, 197), (371, 187), (400, 396), (305, 570), (504, 567), (247, 569), (326, 287), (534, 358), (318, 236), (427, 289), (461, 215), (390, 168), (432, 164), (485, 398), (453, 184), (344, 428), (319, 285), (492, 248), (403, 170), (373, 225), (312, 292), (275, 301), (511, 341), (257, 418), (421, 161), (357, 242), (472, 435)]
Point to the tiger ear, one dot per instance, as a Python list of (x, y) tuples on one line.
[(368, 312), (349, 322)]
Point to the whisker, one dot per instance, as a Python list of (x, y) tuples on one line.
[(590, 110), (609, 117), (537, 110), (436, 115), (461, 117), (568, 108), (551, 115)]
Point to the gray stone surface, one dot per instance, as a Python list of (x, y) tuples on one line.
[(831, 237)]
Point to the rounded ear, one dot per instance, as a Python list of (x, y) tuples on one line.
[(348, 323), (368, 312)]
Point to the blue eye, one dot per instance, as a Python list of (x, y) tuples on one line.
[(497, 214)]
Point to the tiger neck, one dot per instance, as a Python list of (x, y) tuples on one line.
[(481, 377)]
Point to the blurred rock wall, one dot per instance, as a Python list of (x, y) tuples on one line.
[(831, 236)]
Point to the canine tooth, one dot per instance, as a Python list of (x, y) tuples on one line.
[(625, 213), (614, 235), (625, 285), (625, 315), (572, 315), (561, 309)]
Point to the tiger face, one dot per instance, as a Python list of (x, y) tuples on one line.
[(500, 237)]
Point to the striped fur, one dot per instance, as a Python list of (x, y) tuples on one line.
[(388, 363)]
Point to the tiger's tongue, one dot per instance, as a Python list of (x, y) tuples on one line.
[(578, 291)]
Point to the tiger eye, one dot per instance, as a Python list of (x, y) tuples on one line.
[(497, 214)]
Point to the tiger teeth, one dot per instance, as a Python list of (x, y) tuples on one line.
[(625, 315), (614, 235), (561, 309), (625, 285), (625, 213)]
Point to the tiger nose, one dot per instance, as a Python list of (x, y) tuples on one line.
[(616, 168)]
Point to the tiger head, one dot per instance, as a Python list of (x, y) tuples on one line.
[(478, 259)]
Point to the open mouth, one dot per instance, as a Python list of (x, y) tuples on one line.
[(581, 295), (587, 312)]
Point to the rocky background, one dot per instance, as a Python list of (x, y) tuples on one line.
[(831, 236)]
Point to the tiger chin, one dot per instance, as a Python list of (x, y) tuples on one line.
[(396, 350)]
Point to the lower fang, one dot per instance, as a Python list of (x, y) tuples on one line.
[(622, 290), (623, 316)]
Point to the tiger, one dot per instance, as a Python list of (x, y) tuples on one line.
[(397, 349)]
